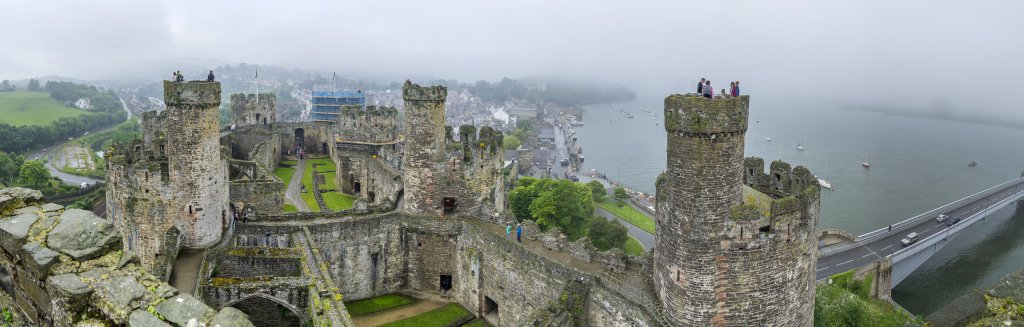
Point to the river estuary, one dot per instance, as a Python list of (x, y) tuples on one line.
[(916, 164)]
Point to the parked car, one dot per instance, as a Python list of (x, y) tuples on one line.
[(942, 218), (910, 239), (952, 222)]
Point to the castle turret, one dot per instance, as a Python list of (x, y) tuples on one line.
[(726, 254), (424, 147), (196, 167), (253, 109)]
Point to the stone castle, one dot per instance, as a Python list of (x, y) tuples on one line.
[(735, 246)]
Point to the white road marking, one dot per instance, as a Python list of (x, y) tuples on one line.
[(845, 262), (823, 268), (868, 255)]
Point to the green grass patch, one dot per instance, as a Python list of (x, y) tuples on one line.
[(477, 323), (290, 208), (628, 214), (33, 108), (307, 182), (288, 163), (847, 302), (377, 304), (337, 201), (439, 317), (633, 247), (285, 174)]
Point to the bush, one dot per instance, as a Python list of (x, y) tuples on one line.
[(606, 234)]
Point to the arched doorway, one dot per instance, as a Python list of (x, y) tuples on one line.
[(300, 137), (264, 310)]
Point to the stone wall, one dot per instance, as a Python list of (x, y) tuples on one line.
[(253, 109), (315, 137), (423, 148), (260, 143), (67, 268), (266, 195), (372, 124), (721, 259), (472, 170), (377, 181)]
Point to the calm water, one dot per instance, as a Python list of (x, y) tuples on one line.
[(916, 164)]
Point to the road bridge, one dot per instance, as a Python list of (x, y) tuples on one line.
[(884, 243)]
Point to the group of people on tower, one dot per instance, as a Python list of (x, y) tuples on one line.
[(178, 77), (704, 89)]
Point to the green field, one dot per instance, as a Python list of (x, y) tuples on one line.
[(290, 208), (439, 317), (285, 174), (32, 108), (633, 247), (307, 181), (628, 214), (337, 201), (377, 304), (477, 323)]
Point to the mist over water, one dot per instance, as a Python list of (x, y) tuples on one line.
[(917, 164)]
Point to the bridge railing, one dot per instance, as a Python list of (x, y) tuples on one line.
[(903, 225), (952, 230)]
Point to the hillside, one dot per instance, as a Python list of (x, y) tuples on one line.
[(32, 108)]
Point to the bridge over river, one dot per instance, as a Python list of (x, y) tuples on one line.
[(884, 244)]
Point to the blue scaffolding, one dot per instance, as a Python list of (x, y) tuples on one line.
[(327, 104)]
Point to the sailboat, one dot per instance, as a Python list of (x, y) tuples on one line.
[(866, 164), (800, 147), (824, 183)]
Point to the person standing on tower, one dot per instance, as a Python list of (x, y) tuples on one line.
[(700, 86), (708, 91), (209, 78)]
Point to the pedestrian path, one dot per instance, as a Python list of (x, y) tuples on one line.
[(291, 194)]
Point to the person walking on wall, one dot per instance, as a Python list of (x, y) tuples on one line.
[(700, 86), (508, 231), (209, 78), (519, 233)]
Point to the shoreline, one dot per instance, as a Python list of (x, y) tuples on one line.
[(985, 121)]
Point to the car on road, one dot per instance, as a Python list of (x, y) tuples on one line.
[(952, 222), (37, 158), (910, 239), (942, 218)]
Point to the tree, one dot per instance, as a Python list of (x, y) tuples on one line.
[(563, 204), (511, 142), (9, 165), (621, 194), (597, 189), (34, 172), (606, 234), (33, 85), (5, 86)]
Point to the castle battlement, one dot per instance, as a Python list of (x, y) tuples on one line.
[(253, 109), (779, 205), (472, 144), (415, 92), (692, 114), (201, 94)]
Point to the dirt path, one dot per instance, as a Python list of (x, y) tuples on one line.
[(291, 194), (426, 304), (186, 268)]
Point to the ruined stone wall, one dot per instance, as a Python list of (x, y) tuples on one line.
[(377, 181), (242, 265), (265, 195), (720, 261), (373, 124), (316, 136), (472, 170), (67, 268), (197, 170), (423, 148), (252, 109), (152, 126), (367, 255), (258, 143), (142, 205)]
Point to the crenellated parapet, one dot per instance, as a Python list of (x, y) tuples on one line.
[(253, 109), (699, 116), (192, 94), (781, 205), (369, 124), (414, 92)]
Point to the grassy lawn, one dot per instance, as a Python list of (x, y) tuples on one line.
[(633, 247), (290, 208), (439, 317), (337, 201), (629, 214), (285, 174), (307, 181), (32, 108), (477, 323), (377, 304)]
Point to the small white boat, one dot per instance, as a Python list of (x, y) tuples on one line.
[(768, 139), (799, 147), (655, 123), (824, 183), (866, 164)]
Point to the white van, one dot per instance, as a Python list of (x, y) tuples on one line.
[(910, 239)]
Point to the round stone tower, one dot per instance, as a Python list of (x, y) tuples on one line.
[(192, 129), (719, 261), (423, 148)]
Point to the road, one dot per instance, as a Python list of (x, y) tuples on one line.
[(879, 247), (50, 150)]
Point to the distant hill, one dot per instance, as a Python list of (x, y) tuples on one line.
[(32, 108)]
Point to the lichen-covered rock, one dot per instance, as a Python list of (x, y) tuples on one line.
[(184, 308), (82, 235), (140, 318), (38, 259), (13, 231), (14, 198), (69, 285), (230, 317), (120, 293), (51, 207)]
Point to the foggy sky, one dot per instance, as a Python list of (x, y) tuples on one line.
[(964, 53)]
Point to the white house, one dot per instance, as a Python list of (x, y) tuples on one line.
[(83, 104)]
